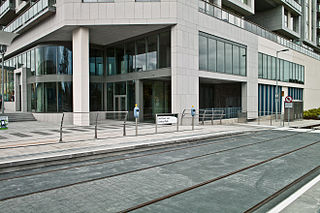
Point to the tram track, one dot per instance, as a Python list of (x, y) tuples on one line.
[(220, 140), (204, 183), (145, 168)]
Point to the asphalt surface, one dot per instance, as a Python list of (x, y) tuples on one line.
[(114, 184)]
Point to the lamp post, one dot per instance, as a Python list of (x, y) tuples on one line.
[(277, 79), (3, 49)]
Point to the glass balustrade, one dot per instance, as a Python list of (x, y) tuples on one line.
[(6, 6), (32, 12), (218, 13)]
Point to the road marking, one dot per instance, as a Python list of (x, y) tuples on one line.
[(294, 196)]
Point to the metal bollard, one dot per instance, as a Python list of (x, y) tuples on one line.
[(178, 123), (61, 128), (136, 126), (124, 128), (192, 122), (96, 128)]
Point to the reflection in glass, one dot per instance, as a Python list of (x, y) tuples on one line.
[(152, 52), (164, 50), (141, 55), (220, 56), (228, 58), (130, 57), (64, 56), (203, 53), (236, 59), (212, 55), (111, 62)]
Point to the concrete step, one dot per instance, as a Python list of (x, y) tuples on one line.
[(20, 117)]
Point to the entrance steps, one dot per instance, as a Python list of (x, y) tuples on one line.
[(19, 117)]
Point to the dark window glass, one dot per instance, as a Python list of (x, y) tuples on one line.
[(212, 55), (32, 62), (243, 61), (152, 52), (273, 68), (281, 66), (111, 70), (49, 60), (64, 60), (164, 50), (120, 63), (269, 67), (141, 55), (260, 65), (96, 96), (286, 71), (236, 60), (65, 96), (220, 56), (39, 61), (130, 56), (96, 62), (203, 53), (265, 66), (110, 92), (228, 58)]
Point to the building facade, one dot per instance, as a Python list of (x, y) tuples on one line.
[(164, 55)]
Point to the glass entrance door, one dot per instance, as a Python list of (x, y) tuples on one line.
[(120, 103)]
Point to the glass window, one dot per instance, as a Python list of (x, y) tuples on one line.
[(274, 71), (260, 64), (286, 71), (203, 53), (290, 72), (228, 58), (269, 67), (64, 60), (96, 96), (265, 66), (152, 55), (212, 55), (111, 62), (164, 50), (110, 92), (141, 55), (236, 60), (130, 56), (49, 63), (243, 61), (281, 66), (220, 56), (120, 63), (39, 61), (65, 97)]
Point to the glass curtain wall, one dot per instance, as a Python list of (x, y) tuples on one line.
[(147, 53), (219, 55), (285, 70), (266, 99)]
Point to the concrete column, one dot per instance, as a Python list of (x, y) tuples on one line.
[(244, 101), (139, 97), (24, 100), (80, 52), (184, 68), (17, 91)]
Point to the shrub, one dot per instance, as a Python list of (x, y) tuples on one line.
[(312, 114)]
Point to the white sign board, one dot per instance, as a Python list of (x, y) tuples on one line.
[(167, 120), (288, 105)]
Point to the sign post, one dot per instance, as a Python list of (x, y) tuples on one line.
[(165, 119), (288, 105)]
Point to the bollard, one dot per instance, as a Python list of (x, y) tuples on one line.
[(192, 122), (124, 128), (61, 128), (177, 122), (136, 126), (96, 128)]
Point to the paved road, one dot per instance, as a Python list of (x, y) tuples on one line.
[(117, 183)]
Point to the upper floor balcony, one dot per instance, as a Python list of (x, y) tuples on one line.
[(293, 4), (7, 12), (36, 13), (223, 15)]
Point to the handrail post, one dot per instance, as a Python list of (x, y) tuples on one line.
[(203, 116), (156, 123), (124, 125), (178, 122), (60, 140), (96, 127), (192, 122), (136, 126)]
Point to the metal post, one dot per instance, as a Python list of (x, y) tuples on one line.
[(212, 114), (192, 122), (289, 117), (124, 128), (61, 128), (156, 123), (2, 82), (177, 122), (136, 126), (96, 127)]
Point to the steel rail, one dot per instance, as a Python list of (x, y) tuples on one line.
[(139, 206), (141, 169), (145, 155), (279, 192)]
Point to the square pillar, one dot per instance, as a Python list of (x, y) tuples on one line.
[(80, 54), (139, 97)]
